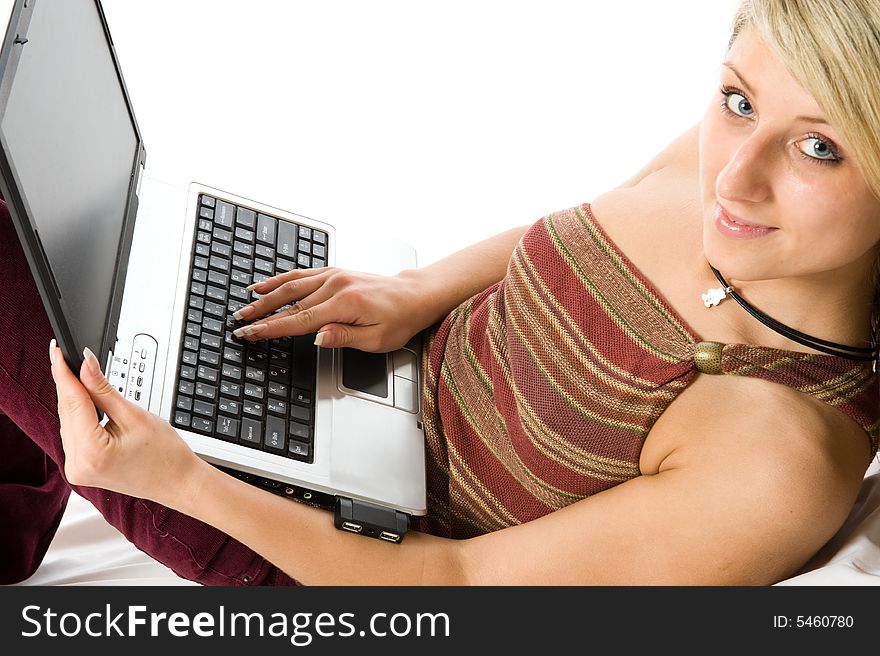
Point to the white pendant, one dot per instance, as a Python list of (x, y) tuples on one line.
[(713, 296)]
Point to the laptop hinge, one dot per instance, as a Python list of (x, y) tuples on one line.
[(370, 520)]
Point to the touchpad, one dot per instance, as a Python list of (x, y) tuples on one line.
[(365, 372)]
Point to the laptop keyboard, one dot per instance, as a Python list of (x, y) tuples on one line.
[(257, 394)]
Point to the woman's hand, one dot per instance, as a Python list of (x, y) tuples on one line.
[(134, 453), (346, 308)]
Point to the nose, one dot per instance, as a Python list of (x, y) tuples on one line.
[(747, 175)]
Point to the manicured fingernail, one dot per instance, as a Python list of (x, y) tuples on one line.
[(91, 361), (319, 338), (247, 331), (255, 285), (246, 311), (52, 351)]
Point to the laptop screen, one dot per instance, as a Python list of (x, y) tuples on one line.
[(72, 142)]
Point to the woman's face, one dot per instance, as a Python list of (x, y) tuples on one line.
[(782, 194)]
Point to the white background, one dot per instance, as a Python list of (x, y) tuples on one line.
[(443, 123)]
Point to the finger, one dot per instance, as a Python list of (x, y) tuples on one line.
[(276, 281), (317, 297), (299, 323), (102, 393), (290, 290), (75, 407), (341, 335)]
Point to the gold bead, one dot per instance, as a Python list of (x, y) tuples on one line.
[(707, 357)]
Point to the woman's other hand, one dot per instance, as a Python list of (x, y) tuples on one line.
[(345, 308), (134, 453)]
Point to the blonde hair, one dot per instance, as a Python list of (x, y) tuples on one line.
[(832, 48)]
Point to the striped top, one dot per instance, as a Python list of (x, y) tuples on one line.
[(541, 390)]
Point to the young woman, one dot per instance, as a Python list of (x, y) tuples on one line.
[(592, 406)]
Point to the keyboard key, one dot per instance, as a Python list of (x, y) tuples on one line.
[(222, 235), (229, 405), (200, 263), (300, 414), (203, 249), (217, 278), (242, 262), (230, 389), (275, 439), (318, 250), (181, 419), (194, 315), (208, 373), (190, 358), (206, 391), (266, 229), (215, 309), (202, 425), (257, 358), (277, 406), (277, 389), (286, 238), (197, 288), (220, 263), (317, 263), (265, 266), (208, 357), (232, 354), (184, 403), (305, 232), (254, 374), (246, 218), (203, 408), (196, 302), (186, 387), (214, 325), (243, 248), (193, 329), (253, 408), (224, 214), (231, 371), (203, 237), (298, 449), (304, 261), (319, 237), (211, 341), (244, 234), (250, 432), (224, 250), (206, 213), (300, 396), (208, 201), (277, 372), (240, 277), (239, 292), (227, 427), (264, 251), (299, 431), (216, 293), (283, 266), (254, 391), (200, 275), (206, 225), (191, 343), (305, 246)]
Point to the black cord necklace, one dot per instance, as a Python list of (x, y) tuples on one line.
[(715, 296)]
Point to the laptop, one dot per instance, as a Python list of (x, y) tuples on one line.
[(148, 274)]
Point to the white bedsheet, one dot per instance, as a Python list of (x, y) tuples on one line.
[(88, 551)]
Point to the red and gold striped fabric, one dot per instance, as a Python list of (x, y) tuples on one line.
[(540, 390)]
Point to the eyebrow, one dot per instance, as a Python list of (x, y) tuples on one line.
[(808, 119)]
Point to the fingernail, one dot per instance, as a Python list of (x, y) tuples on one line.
[(52, 350), (319, 338), (91, 361), (247, 331), (255, 285), (246, 311)]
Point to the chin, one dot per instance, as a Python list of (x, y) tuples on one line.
[(737, 260)]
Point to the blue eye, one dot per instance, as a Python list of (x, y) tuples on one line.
[(819, 149), (737, 103)]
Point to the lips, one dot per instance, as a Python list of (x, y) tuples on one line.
[(736, 227)]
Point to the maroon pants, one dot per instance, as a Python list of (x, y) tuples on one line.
[(33, 490)]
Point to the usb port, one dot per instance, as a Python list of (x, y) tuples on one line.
[(391, 537), (351, 526)]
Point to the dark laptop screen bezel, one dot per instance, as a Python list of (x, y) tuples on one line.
[(22, 217)]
